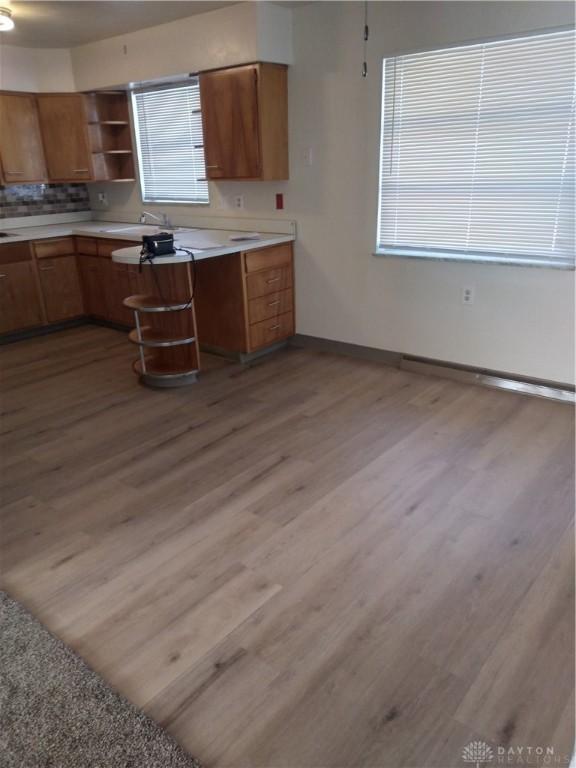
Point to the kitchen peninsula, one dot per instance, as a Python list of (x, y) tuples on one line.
[(60, 274), (229, 291)]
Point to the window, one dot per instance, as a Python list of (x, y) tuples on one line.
[(168, 124), (477, 152)]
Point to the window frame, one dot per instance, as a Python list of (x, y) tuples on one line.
[(446, 255), (162, 86)]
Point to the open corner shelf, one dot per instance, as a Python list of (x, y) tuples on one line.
[(145, 303), (158, 374), (165, 328), (151, 337), (155, 368), (110, 136)]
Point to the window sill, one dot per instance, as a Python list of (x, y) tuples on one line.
[(156, 201), (504, 261)]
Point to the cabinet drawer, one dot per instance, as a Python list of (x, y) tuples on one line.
[(268, 281), (57, 247), (87, 246), (267, 258), (270, 306), (13, 252), (105, 247), (269, 331)]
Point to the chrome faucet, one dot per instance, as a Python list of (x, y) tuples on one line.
[(163, 219)]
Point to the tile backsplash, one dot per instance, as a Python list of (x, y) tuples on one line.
[(39, 199)]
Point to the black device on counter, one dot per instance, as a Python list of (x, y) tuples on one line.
[(161, 244)]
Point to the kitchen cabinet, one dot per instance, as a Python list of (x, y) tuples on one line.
[(60, 284), (92, 279), (109, 135), (119, 281), (120, 287), (65, 135), (21, 151), (20, 305), (245, 301), (245, 122)]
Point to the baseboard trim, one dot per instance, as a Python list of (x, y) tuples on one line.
[(243, 357), (523, 385), (41, 330), (344, 348), (44, 330)]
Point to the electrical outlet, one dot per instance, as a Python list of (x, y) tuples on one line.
[(103, 198), (239, 201), (468, 295), (308, 156)]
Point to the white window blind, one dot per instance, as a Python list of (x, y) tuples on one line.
[(168, 124), (477, 152)]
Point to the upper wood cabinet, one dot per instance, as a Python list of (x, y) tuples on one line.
[(87, 136), (21, 152), (245, 122), (65, 134)]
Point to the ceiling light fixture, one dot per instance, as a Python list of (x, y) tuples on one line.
[(6, 22)]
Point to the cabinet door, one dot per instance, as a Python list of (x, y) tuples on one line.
[(230, 122), (60, 285), (65, 135), (121, 289), (20, 139), (19, 299), (92, 277)]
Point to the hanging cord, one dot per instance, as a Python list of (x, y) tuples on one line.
[(193, 260), (146, 257), (366, 35)]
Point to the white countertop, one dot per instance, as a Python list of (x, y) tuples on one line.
[(204, 243), (109, 229)]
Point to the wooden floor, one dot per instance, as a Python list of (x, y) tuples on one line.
[(315, 561)]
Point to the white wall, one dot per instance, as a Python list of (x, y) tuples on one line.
[(522, 319), (35, 69), (237, 34)]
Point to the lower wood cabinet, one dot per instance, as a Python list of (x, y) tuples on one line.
[(245, 301), (119, 281), (60, 285), (20, 305), (120, 286), (93, 286)]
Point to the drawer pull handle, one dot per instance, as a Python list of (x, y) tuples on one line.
[(80, 170), (3, 276), (14, 173), (273, 280), (273, 327), (46, 269), (212, 166), (274, 303)]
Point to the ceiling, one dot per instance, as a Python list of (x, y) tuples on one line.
[(65, 24)]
